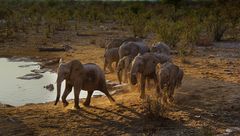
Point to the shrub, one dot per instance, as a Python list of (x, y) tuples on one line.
[(153, 107), (169, 32)]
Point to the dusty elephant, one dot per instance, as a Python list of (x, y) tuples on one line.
[(145, 65), (91, 77), (161, 47), (170, 76), (132, 48), (110, 56), (73, 72), (124, 66)]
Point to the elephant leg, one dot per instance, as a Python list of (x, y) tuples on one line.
[(110, 66), (77, 90), (88, 99), (148, 83), (142, 83), (157, 86), (116, 64), (105, 64), (66, 92), (126, 75)]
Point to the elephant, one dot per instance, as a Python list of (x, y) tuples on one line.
[(145, 65), (124, 65), (91, 77), (161, 47), (132, 48), (116, 43), (170, 76), (73, 72), (110, 56)]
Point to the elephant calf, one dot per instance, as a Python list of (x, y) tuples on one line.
[(87, 77), (110, 56), (169, 76), (124, 65)]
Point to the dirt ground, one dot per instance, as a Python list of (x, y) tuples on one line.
[(206, 104)]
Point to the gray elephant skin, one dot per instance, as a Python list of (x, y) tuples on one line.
[(116, 43), (110, 56), (145, 65), (90, 77), (170, 76), (124, 66), (132, 48), (161, 47)]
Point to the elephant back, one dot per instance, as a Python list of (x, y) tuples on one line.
[(161, 47)]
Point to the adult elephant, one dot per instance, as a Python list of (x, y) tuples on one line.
[(132, 48), (160, 47), (91, 77), (145, 65), (116, 43)]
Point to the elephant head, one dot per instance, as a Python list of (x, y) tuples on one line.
[(124, 64), (72, 72), (163, 75), (144, 64)]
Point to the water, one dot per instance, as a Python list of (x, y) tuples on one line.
[(18, 92)]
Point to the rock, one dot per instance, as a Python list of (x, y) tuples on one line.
[(211, 56), (124, 85), (30, 76), (197, 116), (68, 48), (6, 106), (28, 65), (18, 59), (49, 87), (228, 130), (37, 71), (51, 62)]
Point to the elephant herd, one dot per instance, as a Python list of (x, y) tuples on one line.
[(134, 61)]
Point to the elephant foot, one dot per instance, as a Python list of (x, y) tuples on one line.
[(142, 96), (65, 104), (86, 104), (77, 107)]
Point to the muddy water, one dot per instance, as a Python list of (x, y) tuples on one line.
[(18, 92)]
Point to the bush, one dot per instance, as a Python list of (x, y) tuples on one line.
[(153, 107)]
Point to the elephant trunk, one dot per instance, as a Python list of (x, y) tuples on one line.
[(133, 75), (59, 83)]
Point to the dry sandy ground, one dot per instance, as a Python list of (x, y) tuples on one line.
[(206, 104)]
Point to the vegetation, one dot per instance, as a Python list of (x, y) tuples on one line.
[(178, 23)]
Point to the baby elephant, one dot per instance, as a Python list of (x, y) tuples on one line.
[(124, 65), (169, 76), (110, 56), (92, 78)]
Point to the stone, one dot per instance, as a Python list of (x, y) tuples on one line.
[(30, 76), (49, 87)]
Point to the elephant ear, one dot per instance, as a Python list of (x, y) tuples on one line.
[(76, 68)]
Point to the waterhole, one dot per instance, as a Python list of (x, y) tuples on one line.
[(16, 90)]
